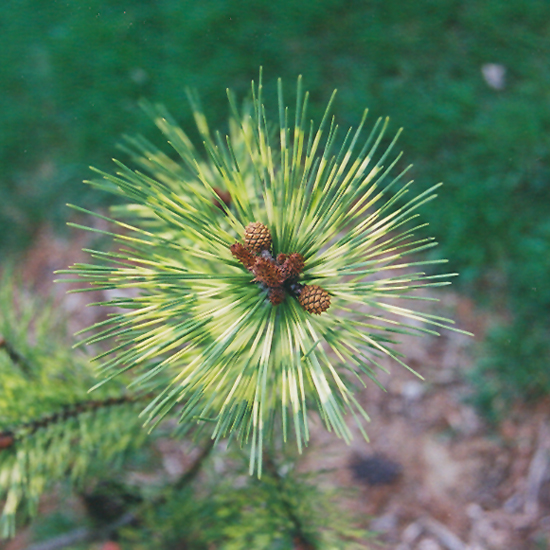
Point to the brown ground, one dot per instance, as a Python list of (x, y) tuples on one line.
[(452, 482)]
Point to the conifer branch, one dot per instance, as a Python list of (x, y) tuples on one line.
[(82, 440), (189, 476), (10, 437)]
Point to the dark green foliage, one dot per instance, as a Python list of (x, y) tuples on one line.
[(516, 367), (48, 526), (515, 361), (72, 73)]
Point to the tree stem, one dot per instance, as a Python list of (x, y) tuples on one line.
[(302, 540)]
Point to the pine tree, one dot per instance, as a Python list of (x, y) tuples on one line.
[(254, 287)]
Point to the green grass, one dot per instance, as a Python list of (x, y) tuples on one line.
[(71, 74)]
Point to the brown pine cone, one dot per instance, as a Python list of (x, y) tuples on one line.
[(267, 272), (292, 266), (224, 198), (277, 295), (314, 299), (243, 255), (257, 237)]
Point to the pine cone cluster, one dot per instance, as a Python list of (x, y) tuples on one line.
[(279, 276)]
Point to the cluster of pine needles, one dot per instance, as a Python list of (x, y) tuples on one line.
[(222, 332)]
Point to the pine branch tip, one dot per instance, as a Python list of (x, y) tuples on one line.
[(255, 305)]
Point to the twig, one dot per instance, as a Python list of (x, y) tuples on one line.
[(446, 537), (302, 540), (82, 534), (192, 473), (538, 472), (16, 358)]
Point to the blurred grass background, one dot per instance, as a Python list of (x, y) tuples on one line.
[(72, 72)]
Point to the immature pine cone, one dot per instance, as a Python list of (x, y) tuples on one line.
[(314, 299), (267, 272), (6, 440), (293, 265), (277, 295), (257, 237), (243, 255)]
